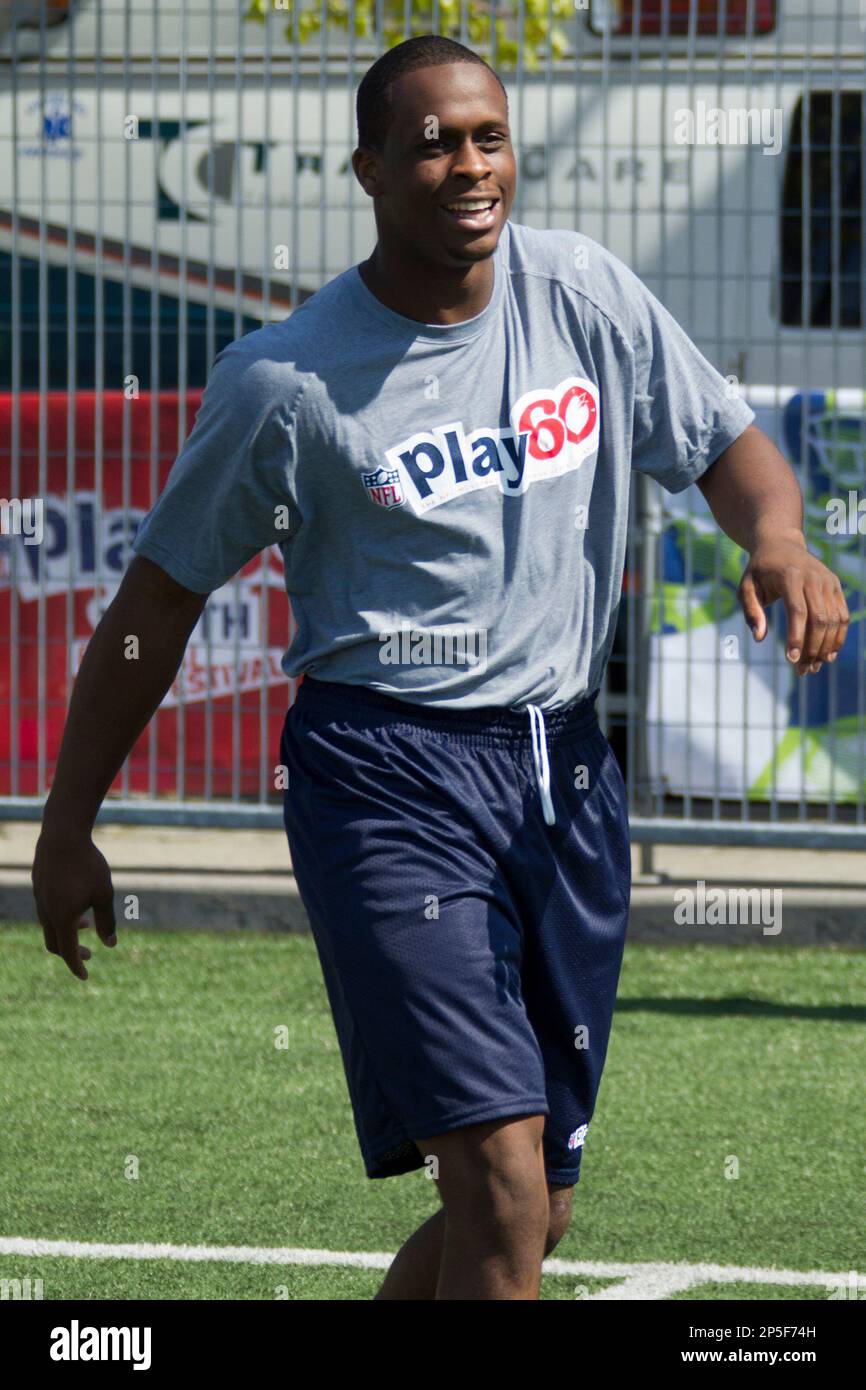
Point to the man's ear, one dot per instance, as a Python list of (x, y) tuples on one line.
[(367, 167)]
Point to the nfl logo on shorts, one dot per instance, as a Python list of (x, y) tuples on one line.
[(575, 1140), (384, 487)]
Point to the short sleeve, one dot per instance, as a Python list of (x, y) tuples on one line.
[(229, 494), (684, 416)]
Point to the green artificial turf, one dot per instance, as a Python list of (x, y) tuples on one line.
[(150, 1104)]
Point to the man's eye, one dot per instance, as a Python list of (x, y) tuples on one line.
[(492, 138)]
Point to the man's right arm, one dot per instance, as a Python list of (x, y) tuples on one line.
[(113, 699)]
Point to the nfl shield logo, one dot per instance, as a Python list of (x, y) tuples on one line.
[(384, 487), (575, 1140)]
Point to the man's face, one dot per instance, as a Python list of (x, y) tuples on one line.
[(448, 143)]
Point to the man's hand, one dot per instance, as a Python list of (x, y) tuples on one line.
[(817, 613), (754, 496), (69, 877)]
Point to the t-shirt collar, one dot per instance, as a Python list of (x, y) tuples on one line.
[(432, 332)]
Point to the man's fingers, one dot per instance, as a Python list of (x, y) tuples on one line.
[(752, 608), (797, 614), (822, 620), (104, 919), (67, 941), (843, 618), (826, 624), (49, 936), (48, 933)]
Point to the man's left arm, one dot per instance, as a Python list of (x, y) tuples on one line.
[(755, 497)]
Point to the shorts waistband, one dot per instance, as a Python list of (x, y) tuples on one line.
[(495, 722)]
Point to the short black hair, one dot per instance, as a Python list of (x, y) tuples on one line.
[(373, 101)]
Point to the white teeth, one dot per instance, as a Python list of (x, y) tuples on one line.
[(469, 207)]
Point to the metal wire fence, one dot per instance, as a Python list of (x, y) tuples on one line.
[(175, 176)]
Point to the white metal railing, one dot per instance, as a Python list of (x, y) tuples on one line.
[(137, 259)]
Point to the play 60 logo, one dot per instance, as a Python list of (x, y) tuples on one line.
[(551, 431)]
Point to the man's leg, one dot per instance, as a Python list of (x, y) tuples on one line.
[(414, 1271), (485, 1231)]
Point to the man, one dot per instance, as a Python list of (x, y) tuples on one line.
[(442, 440)]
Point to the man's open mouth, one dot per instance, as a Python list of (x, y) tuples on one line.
[(476, 214)]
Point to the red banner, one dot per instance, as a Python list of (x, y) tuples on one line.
[(72, 525)]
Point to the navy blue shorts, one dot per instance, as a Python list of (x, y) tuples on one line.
[(470, 951)]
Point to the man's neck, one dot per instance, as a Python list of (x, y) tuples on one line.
[(427, 292)]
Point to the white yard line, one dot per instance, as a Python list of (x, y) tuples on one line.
[(640, 1281), (220, 1254), (655, 1281), (652, 1282)]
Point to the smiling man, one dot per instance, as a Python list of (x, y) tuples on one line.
[(449, 430)]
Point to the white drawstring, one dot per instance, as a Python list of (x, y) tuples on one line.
[(540, 761)]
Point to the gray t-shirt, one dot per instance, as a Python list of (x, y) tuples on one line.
[(451, 501)]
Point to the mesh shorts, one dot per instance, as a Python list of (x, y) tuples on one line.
[(471, 952)]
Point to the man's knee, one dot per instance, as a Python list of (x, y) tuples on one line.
[(559, 1218), (494, 1173)]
